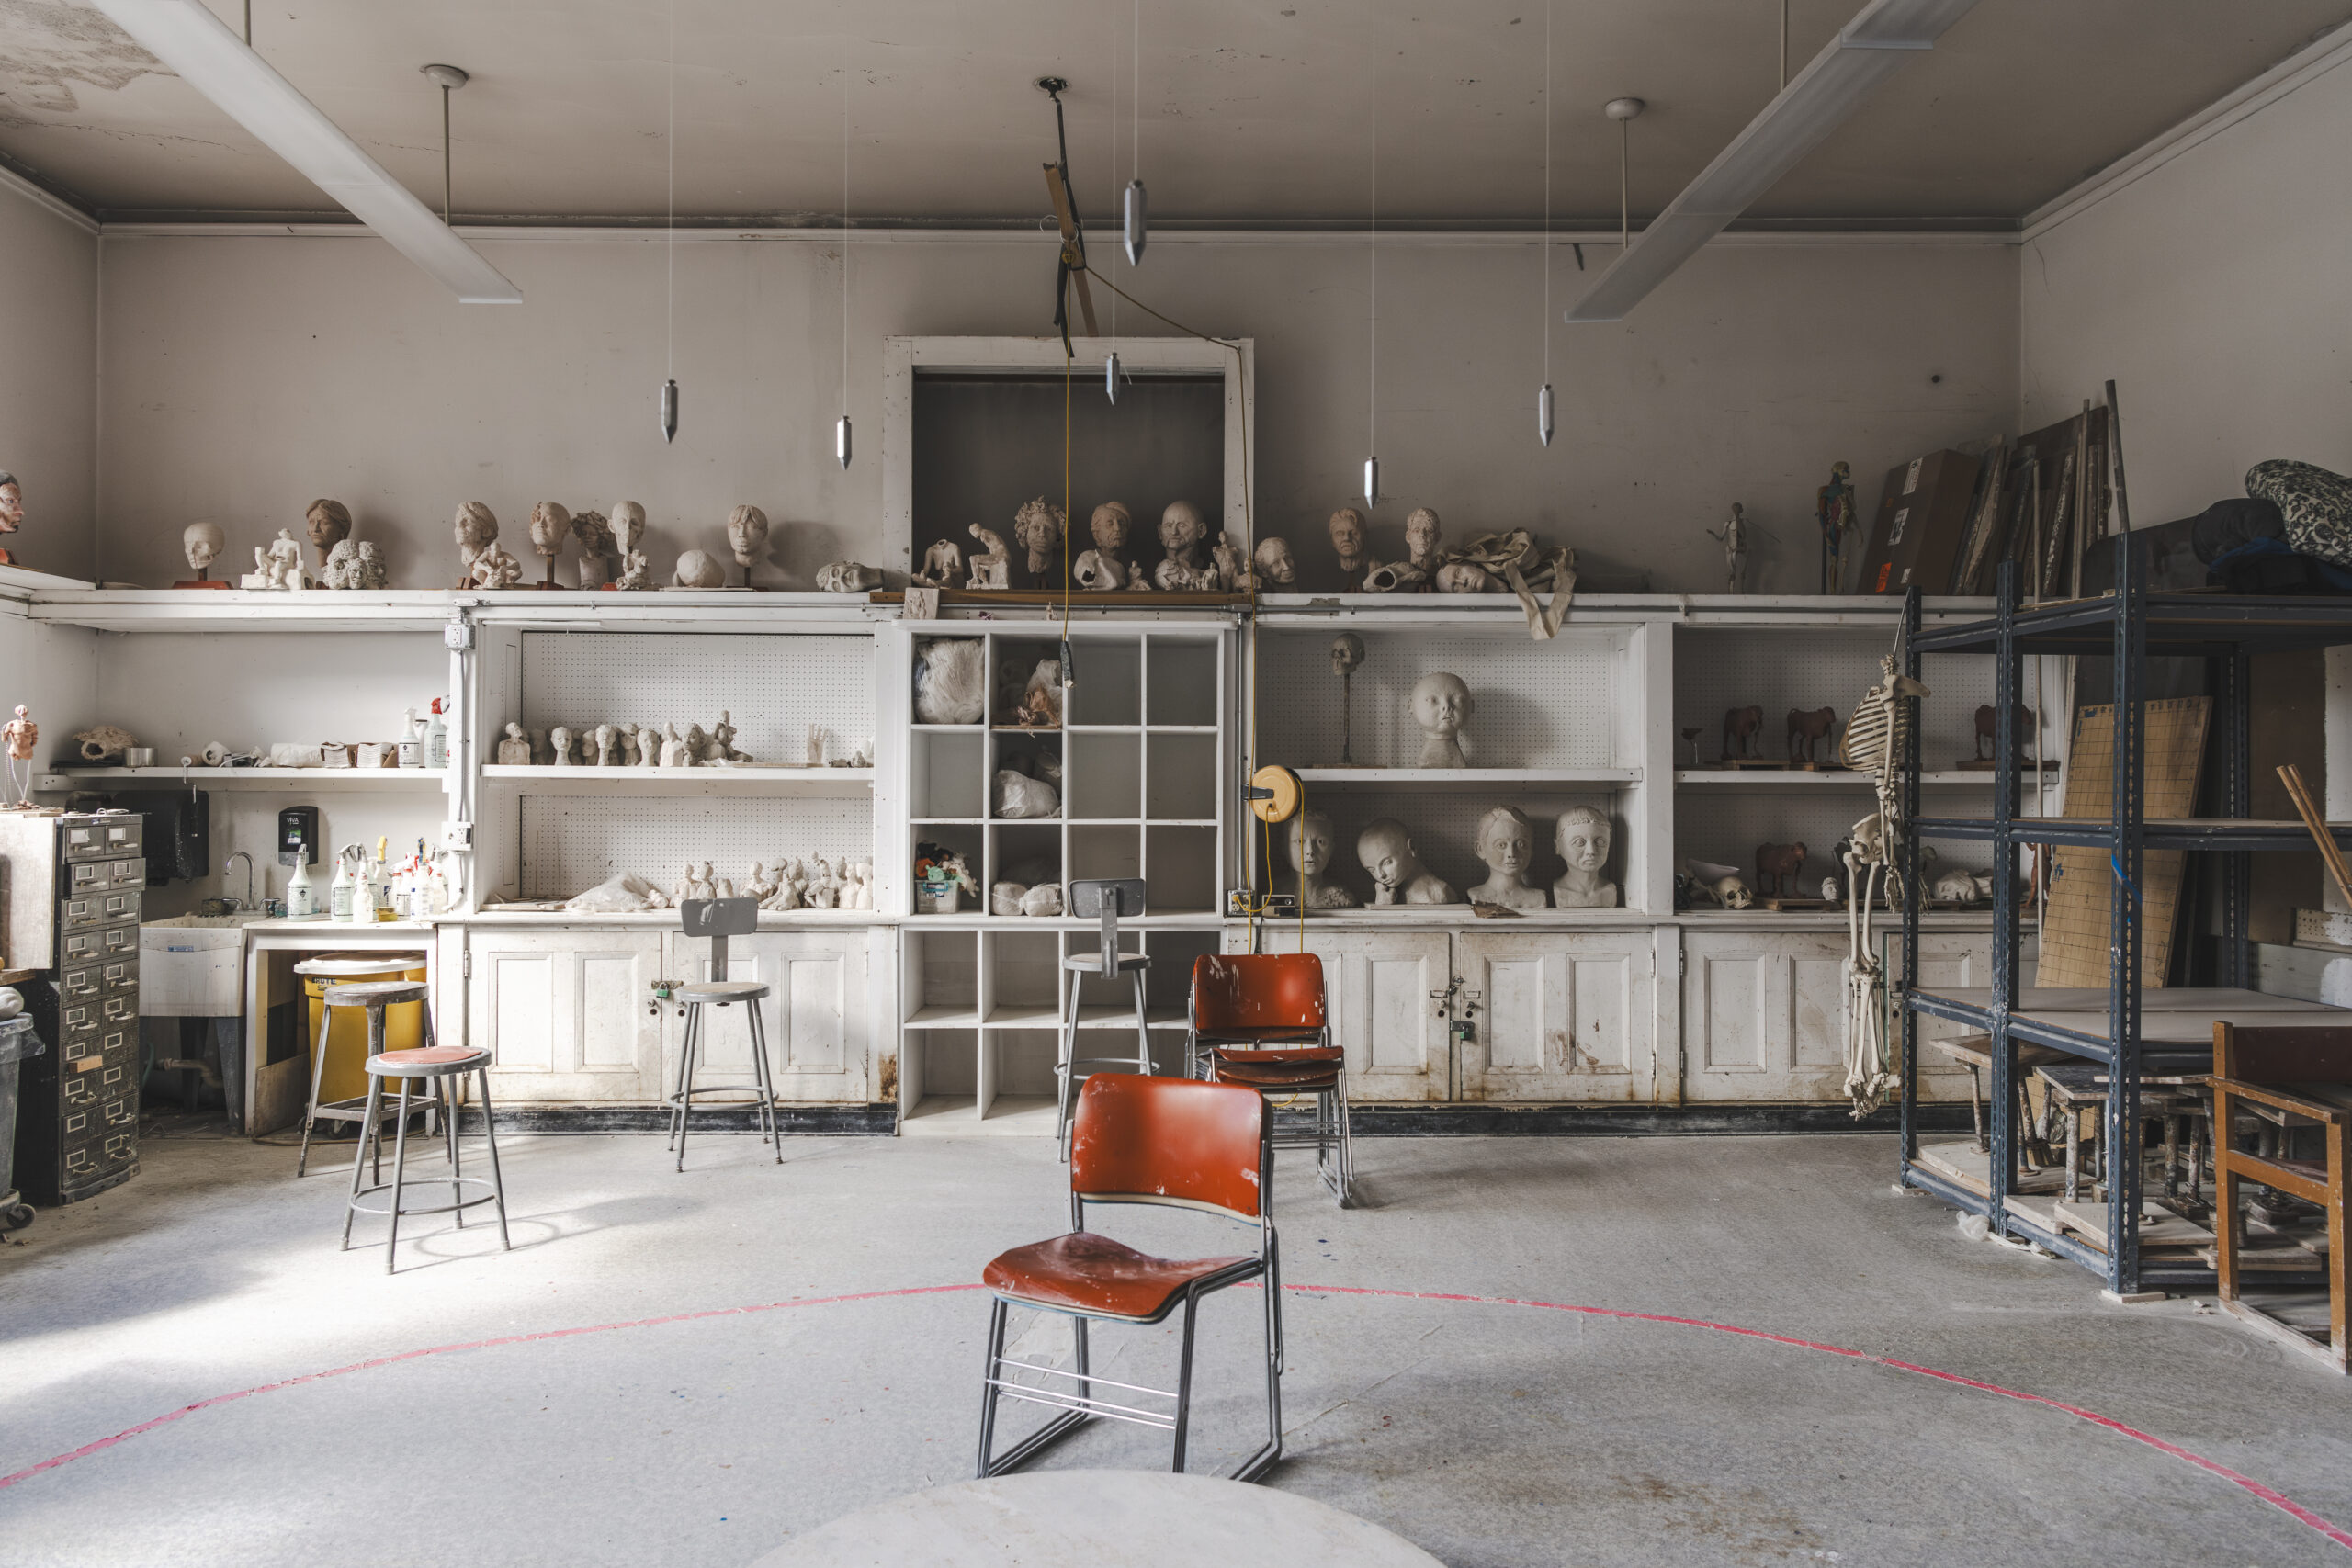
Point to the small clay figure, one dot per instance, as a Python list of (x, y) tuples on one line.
[(1104, 568), (1039, 526), (673, 750), (1807, 728), (12, 510), (1506, 845), (747, 537), (1225, 562), (1833, 510), (847, 577), (353, 565), (1740, 726), (560, 740), (608, 738), (721, 747), (1182, 530), (598, 552), (648, 746), (761, 884), (1440, 704), (697, 746), (698, 568), (494, 568), (1778, 867), (991, 567), (629, 568), (202, 543), (1311, 841), (1385, 850), (329, 523), (696, 884), (941, 564), (276, 568), (477, 529), (20, 735), (1275, 566), (514, 751), (1350, 532), (1582, 838), (1734, 535)]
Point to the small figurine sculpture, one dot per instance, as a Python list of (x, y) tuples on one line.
[(496, 568), (648, 746), (990, 569), (560, 738), (514, 751), (353, 565), (1039, 527), (1275, 566), (721, 747), (1807, 729), (1440, 704), (761, 884), (1183, 531), (697, 746), (816, 745), (857, 893), (329, 523), (1506, 845), (550, 525), (1347, 657), (12, 510), (1779, 867), (1385, 850), (20, 735), (786, 894), (1466, 577), (1833, 509), (1225, 562), (105, 744), (698, 568), (1424, 536), (608, 752), (1734, 535), (747, 535), (1582, 837), (674, 753), (597, 553), (847, 577), (696, 883), (1350, 532), (202, 543), (630, 573), (477, 531), (1104, 568), (941, 564), (1740, 727), (824, 885), (277, 569), (1311, 840)]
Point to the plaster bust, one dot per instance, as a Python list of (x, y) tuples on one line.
[(697, 569), (12, 509), (550, 525), (514, 751), (329, 523), (1275, 566), (630, 567), (1422, 533), (1462, 577), (202, 543), (1440, 704), (594, 532), (1311, 841), (477, 529), (1385, 848), (1349, 530), (1039, 526), (1105, 568), (1182, 530), (1506, 845), (1582, 836), (747, 535)]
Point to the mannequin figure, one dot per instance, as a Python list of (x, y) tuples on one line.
[(1582, 838), (329, 523), (1440, 704), (1310, 842), (1275, 566), (202, 543), (1350, 532), (1182, 533), (1507, 844), (1385, 848)]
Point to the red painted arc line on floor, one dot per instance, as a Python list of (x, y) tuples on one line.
[(2247, 1484)]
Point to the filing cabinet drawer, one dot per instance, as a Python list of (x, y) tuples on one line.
[(99, 907), (103, 977), (92, 942), (104, 837), (104, 875)]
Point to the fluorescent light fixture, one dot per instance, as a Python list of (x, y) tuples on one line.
[(214, 60), (1873, 47)]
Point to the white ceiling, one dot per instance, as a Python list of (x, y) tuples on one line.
[(1253, 111)]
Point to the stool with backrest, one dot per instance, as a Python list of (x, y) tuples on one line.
[(1261, 1020), (1102, 898), (1138, 1139), (442, 1070), (719, 919), (329, 968), (2303, 1076)]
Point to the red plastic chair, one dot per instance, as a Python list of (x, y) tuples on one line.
[(1141, 1140), (1260, 1020)]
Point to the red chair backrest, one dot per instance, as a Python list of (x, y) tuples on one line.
[(1241, 993), (1169, 1141)]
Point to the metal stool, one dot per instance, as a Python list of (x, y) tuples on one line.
[(433, 1064), (345, 1110), (719, 919), (1109, 897)]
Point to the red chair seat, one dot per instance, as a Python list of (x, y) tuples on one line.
[(1089, 1273), (1250, 1039), (1276, 1080)]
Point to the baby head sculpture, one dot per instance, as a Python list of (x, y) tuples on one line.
[(1440, 704), (1275, 568)]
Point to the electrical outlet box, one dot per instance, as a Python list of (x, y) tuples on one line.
[(458, 636), (457, 835)]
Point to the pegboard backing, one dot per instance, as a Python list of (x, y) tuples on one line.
[(1539, 705), (1445, 832), (1718, 669), (775, 687), (1726, 826), (572, 842)]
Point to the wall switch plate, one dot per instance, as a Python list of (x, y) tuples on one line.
[(457, 835)]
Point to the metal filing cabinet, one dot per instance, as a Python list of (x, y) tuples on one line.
[(75, 884)]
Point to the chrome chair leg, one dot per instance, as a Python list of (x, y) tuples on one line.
[(770, 1131), (490, 1136), (400, 1170), (1066, 1069), (1184, 1381), (359, 1156), (1143, 1029)]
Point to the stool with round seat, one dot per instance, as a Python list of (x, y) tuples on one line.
[(330, 967), (719, 919), (441, 1068)]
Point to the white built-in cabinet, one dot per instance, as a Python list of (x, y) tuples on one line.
[(1388, 1006), (1559, 1016), (568, 1015)]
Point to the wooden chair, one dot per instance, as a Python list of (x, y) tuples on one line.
[(2301, 1076)]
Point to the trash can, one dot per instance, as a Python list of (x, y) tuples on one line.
[(17, 1042), (344, 1074)]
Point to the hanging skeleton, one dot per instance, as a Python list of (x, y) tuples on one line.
[(1876, 742)]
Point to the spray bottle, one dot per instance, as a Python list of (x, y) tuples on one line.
[(342, 894), (411, 750), (436, 736), (301, 894), (379, 886)]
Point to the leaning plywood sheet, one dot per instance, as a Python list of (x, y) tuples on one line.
[(2074, 929)]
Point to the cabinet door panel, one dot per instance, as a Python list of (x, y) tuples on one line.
[(1560, 1016), (1378, 985), (522, 987), (814, 1013), (612, 998), (566, 1015)]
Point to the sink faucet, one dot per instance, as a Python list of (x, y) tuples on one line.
[(247, 901)]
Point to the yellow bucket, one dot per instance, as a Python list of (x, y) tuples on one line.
[(344, 1076)]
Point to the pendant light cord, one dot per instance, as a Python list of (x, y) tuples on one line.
[(670, 148), (1547, 192), (1372, 248), (1624, 206), (1114, 180), (844, 228), (445, 149)]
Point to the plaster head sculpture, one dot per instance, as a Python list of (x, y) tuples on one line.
[(1347, 654), (698, 568), (1440, 704), (514, 751), (1422, 536), (353, 565), (1311, 841), (477, 531), (328, 524), (1385, 850), (1349, 533), (627, 523), (608, 746), (550, 525), (202, 543), (747, 535), (1182, 531), (597, 548), (1039, 527), (1582, 837), (1112, 527), (648, 746), (847, 577), (991, 567), (943, 563), (1506, 845), (1463, 577), (560, 739), (1275, 566), (12, 509)]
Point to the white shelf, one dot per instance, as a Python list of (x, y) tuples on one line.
[(958, 1116), (427, 609), (944, 1018), (820, 783), (1483, 779), (1844, 778), (1088, 1018), (280, 779)]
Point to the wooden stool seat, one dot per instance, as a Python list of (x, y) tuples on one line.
[(374, 993), (723, 991), (428, 1062)]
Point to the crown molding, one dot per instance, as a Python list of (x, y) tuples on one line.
[(48, 201)]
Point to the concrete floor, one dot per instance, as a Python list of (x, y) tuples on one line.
[(1484, 1431)]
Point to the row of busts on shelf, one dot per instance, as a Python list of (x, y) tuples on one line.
[(1506, 844)]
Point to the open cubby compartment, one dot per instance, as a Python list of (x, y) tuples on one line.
[(948, 776), (1719, 668), (915, 664), (1102, 780), (773, 690), (1014, 661), (1725, 827), (1107, 1003), (1443, 827), (1025, 852), (966, 839), (1099, 850), (1180, 869), (1109, 689), (1037, 753), (1183, 676), (1180, 773), (1572, 702)]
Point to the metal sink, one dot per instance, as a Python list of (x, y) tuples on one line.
[(215, 922)]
